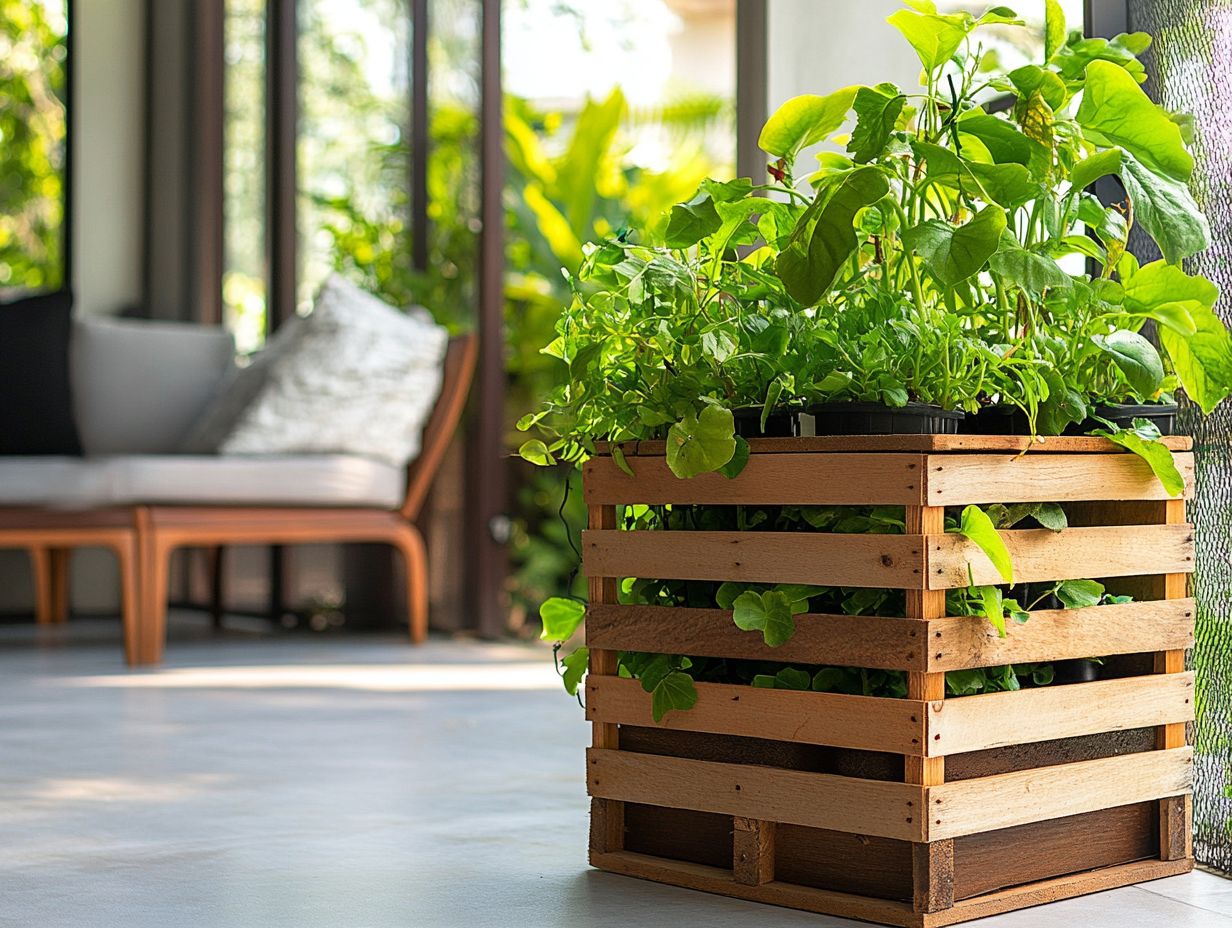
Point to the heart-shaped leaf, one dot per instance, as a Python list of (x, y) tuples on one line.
[(699, 444)]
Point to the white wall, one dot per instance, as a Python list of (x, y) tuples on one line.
[(106, 133), (818, 46)]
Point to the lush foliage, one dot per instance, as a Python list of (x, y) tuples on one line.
[(923, 263), (32, 135)]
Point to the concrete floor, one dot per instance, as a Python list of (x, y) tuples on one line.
[(335, 782)]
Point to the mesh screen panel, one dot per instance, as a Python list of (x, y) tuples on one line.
[(1189, 64)]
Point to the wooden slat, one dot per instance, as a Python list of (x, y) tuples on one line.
[(890, 810), (992, 720), (1176, 828), (722, 882), (767, 479), (932, 875), (846, 640), (1038, 554), (1076, 444), (762, 557), (1009, 799), (1062, 887), (752, 851), (607, 826), (863, 722), (924, 605), (960, 642), (959, 479)]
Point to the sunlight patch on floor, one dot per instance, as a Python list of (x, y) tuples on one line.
[(397, 678)]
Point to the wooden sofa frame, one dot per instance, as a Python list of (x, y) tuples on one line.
[(143, 537)]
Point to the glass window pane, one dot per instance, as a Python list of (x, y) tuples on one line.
[(244, 276), (33, 134), (354, 163)]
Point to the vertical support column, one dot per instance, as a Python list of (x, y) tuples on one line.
[(752, 851), (932, 863), (607, 816), (1176, 813)]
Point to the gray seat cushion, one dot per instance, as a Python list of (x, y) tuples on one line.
[(52, 481), (276, 480), (138, 386)]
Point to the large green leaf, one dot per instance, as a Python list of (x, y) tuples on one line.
[(574, 664), (1089, 170), (877, 110), (698, 444), (803, 121), (1080, 594), (1114, 108), (561, 618), (1005, 143), (674, 691), (1078, 52), (769, 613), (935, 38), (1154, 452), (1137, 358), (689, 223), (1168, 295), (825, 236), (994, 607), (1008, 184), (954, 253), (1034, 272), (1054, 28), (1203, 361), (589, 147), (978, 528), (1165, 208)]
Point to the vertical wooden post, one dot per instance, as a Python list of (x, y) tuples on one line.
[(1175, 814), (932, 863), (607, 819), (752, 851)]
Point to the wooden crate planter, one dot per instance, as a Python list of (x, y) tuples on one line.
[(920, 811)]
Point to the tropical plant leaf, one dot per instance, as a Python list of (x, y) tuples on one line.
[(1054, 28), (1168, 295), (561, 618), (975, 526), (803, 121), (688, 223), (574, 664), (1165, 208), (769, 613), (536, 452), (699, 444), (739, 458), (1154, 452), (994, 608), (954, 253), (877, 110), (1136, 357), (1080, 594), (674, 691), (935, 38), (1034, 272), (1203, 361)]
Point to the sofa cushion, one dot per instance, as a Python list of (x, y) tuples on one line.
[(36, 410), (138, 385), (303, 480), (238, 389), (54, 481), (361, 378), (277, 480)]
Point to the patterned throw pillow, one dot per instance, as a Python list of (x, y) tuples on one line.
[(359, 377)]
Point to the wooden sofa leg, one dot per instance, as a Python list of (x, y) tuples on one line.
[(415, 557), (153, 570), (127, 554), (40, 562), (60, 561), (216, 563)]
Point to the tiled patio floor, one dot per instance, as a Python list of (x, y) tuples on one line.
[(334, 782)]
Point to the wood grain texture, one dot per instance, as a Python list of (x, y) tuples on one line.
[(678, 834), (843, 862), (767, 479), (1064, 887), (893, 561), (752, 850), (996, 860), (1068, 444), (846, 640), (959, 642), (925, 686), (721, 881), (1176, 828), (993, 720), (932, 875), (1038, 554), (607, 827), (1009, 799), (863, 722), (960, 479), (889, 810)]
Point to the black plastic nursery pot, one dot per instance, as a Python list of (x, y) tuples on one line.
[(876, 419), (1163, 415), (779, 424), (996, 420)]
